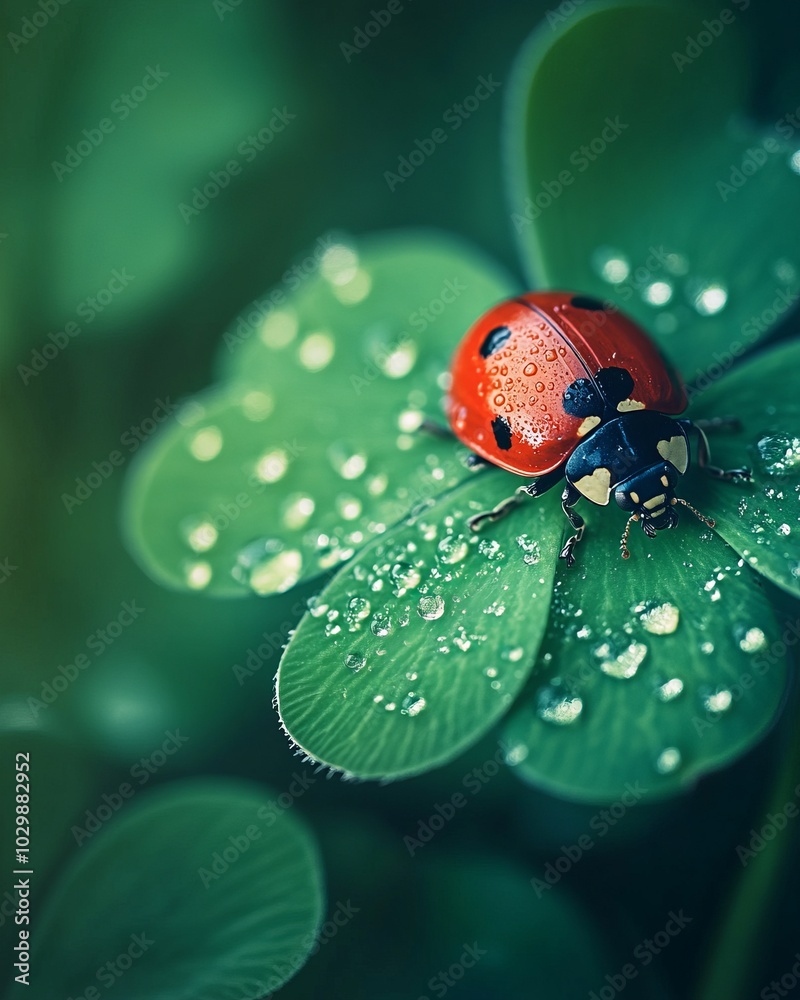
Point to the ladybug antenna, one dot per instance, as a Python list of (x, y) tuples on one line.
[(623, 542), (700, 517)]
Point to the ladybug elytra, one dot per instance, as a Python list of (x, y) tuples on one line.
[(561, 387)]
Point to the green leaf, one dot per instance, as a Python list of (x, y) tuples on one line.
[(654, 671), (421, 643), (209, 888), (648, 209), (313, 450), (761, 519)]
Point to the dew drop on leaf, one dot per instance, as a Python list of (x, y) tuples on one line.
[(430, 606), (752, 640), (660, 619), (718, 701), (779, 454), (619, 657), (413, 704), (355, 661), (381, 624), (452, 549), (555, 705), (668, 760), (670, 689)]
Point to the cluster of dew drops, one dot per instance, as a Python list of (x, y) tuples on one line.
[(417, 579), (619, 654), (267, 565)]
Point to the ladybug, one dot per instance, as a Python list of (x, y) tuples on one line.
[(563, 387)]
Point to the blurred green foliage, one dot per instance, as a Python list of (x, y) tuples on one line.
[(67, 576)]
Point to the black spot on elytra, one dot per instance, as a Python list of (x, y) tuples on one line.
[(494, 340), (502, 433), (616, 384), (587, 302)]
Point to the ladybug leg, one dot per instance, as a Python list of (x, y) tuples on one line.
[(435, 428), (543, 483), (569, 498), (740, 475), (503, 508)]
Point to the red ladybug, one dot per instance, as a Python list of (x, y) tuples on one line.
[(561, 386)]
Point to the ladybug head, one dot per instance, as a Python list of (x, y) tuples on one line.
[(650, 495)]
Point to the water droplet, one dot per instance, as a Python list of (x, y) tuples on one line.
[(381, 623), (206, 443), (530, 369), (347, 464), (670, 689), (530, 549), (707, 648), (358, 608), (620, 658), (405, 576), (276, 573), (752, 640), (400, 360), (198, 574), (355, 290), (490, 548), (355, 661), (707, 297), (668, 760), (390, 706), (348, 506), (257, 405), (612, 265), (338, 264), (452, 549), (316, 351), (410, 421), (278, 328), (779, 454), (412, 704), (718, 701), (657, 293), (297, 510), (332, 629), (316, 608), (272, 465), (512, 653), (555, 705), (201, 535), (660, 619), (794, 161), (430, 607)]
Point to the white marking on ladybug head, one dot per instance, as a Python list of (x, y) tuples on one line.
[(658, 501), (596, 487), (629, 404), (664, 481), (634, 496), (674, 451), (588, 424)]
